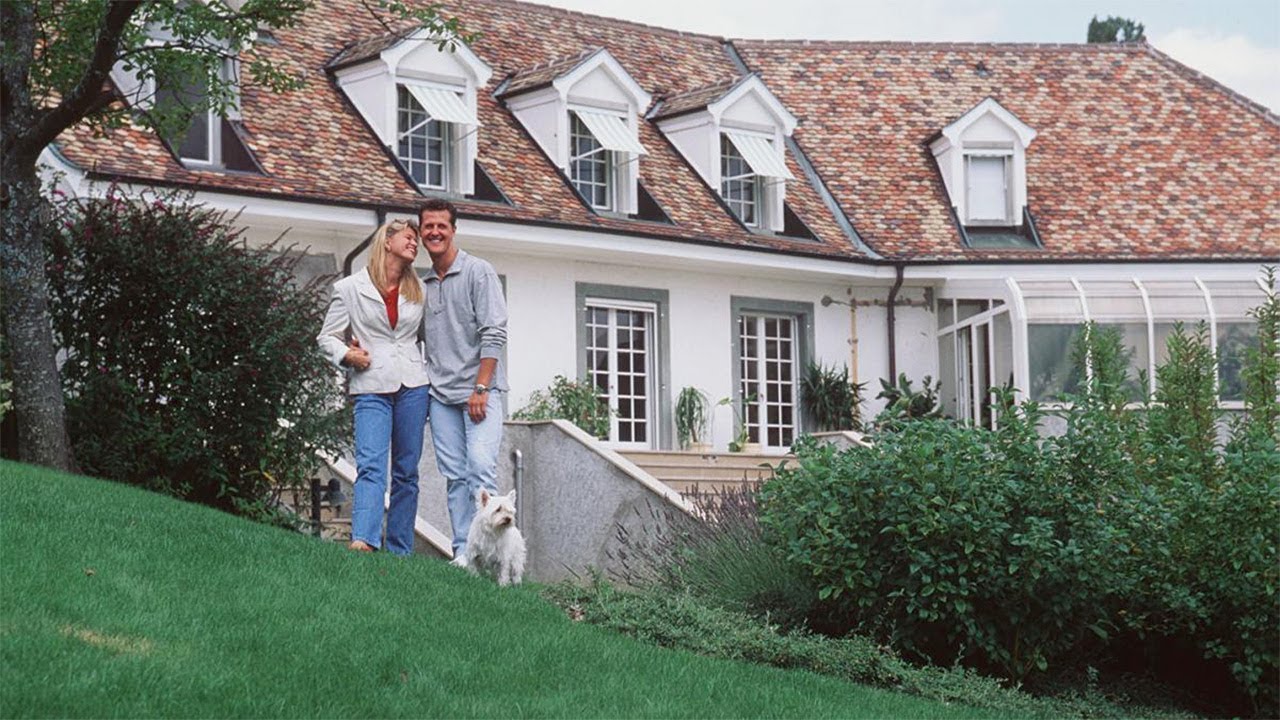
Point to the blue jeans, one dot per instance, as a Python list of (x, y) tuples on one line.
[(388, 421), (467, 455)]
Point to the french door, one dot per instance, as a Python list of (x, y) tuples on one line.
[(620, 363), (768, 367)]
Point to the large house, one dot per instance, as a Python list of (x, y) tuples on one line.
[(672, 210)]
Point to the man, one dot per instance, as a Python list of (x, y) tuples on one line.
[(466, 330)]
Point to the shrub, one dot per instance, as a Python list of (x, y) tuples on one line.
[(1126, 539), (720, 556), (576, 402), (903, 402), (191, 365), (692, 417), (830, 400)]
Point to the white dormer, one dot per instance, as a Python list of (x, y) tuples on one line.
[(982, 157), (734, 134), (584, 112), (420, 101)]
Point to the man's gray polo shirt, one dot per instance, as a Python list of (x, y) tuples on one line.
[(466, 319)]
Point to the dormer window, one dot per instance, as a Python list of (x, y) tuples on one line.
[(583, 111), (424, 142), (982, 159), (739, 184), (591, 165), (421, 102), (987, 188), (734, 134)]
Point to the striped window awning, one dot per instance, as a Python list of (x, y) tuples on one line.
[(611, 132), (443, 105), (760, 155)]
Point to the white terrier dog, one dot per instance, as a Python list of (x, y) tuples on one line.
[(494, 543)]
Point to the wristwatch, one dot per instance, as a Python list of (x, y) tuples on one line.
[(481, 389)]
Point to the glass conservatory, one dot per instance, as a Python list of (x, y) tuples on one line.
[(1022, 333)]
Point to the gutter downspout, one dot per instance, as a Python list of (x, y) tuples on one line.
[(350, 259), (891, 321)]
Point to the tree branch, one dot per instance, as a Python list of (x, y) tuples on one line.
[(82, 98)]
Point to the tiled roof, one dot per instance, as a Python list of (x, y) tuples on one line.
[(370, 47), (695, 99), (1136, 156), (544, 74)]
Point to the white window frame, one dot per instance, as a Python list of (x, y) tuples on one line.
[(607, 158), (729, 153), (445, 139), (1006, 192), (213, 123), (758, 432), (652, 418)]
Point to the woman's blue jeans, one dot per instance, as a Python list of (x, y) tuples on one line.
[(388, 422)]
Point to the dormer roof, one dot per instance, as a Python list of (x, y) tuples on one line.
[(719, 96), (392, 47), (564, 73), (953, 132)]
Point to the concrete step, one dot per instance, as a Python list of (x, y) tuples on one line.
[(705, 473)]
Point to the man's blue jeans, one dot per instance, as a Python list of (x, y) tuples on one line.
[(388, 421), (467, 455)]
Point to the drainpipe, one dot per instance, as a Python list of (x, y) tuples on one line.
[(350, 259), (891, 322)]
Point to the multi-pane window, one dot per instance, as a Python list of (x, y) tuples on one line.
[(424, 142), (739, 184), (767, 346), (590, 165), (988, 189), (620, 365)]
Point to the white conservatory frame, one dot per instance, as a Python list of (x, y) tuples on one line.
[(1067, 299)]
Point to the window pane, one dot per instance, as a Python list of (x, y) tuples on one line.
[(1049, 360), (1233, 340), (987, 194)]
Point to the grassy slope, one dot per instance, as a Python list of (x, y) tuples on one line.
[(119, 602)]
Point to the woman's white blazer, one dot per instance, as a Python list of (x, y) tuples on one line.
[(397, 355)]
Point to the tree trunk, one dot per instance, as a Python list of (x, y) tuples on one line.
[(37, 390)]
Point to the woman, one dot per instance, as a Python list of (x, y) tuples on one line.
[(382, 308)]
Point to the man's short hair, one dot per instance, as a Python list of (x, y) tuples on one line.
[(436, 205)]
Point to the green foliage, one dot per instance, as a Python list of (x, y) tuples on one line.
[(692, 416), (1115, 29), (1182, 424), (576, 402), (719, 556), (830, 400), (1262, 371), (191, 365), (1033, 555), (904, 402), (742, 434), (684, 621)]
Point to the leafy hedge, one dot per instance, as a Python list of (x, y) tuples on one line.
[(1029, 555), (191, 365)]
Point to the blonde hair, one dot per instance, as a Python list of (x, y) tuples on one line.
[(410, 287)]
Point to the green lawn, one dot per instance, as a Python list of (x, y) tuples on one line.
[(118, 602)]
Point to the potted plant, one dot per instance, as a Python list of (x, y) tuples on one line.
[(830, 401), (692, 417), (740, 442)]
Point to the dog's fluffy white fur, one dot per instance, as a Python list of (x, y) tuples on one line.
[(495, 546)]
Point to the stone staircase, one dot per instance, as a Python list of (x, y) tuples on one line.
[(699, 474)]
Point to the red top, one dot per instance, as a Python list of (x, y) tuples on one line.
[(392, 300)]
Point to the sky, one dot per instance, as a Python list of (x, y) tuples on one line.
[(1236, 42)]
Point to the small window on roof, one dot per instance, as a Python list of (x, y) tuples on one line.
[(739, 184), (591, 165), (423, 144), (988, 189)]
